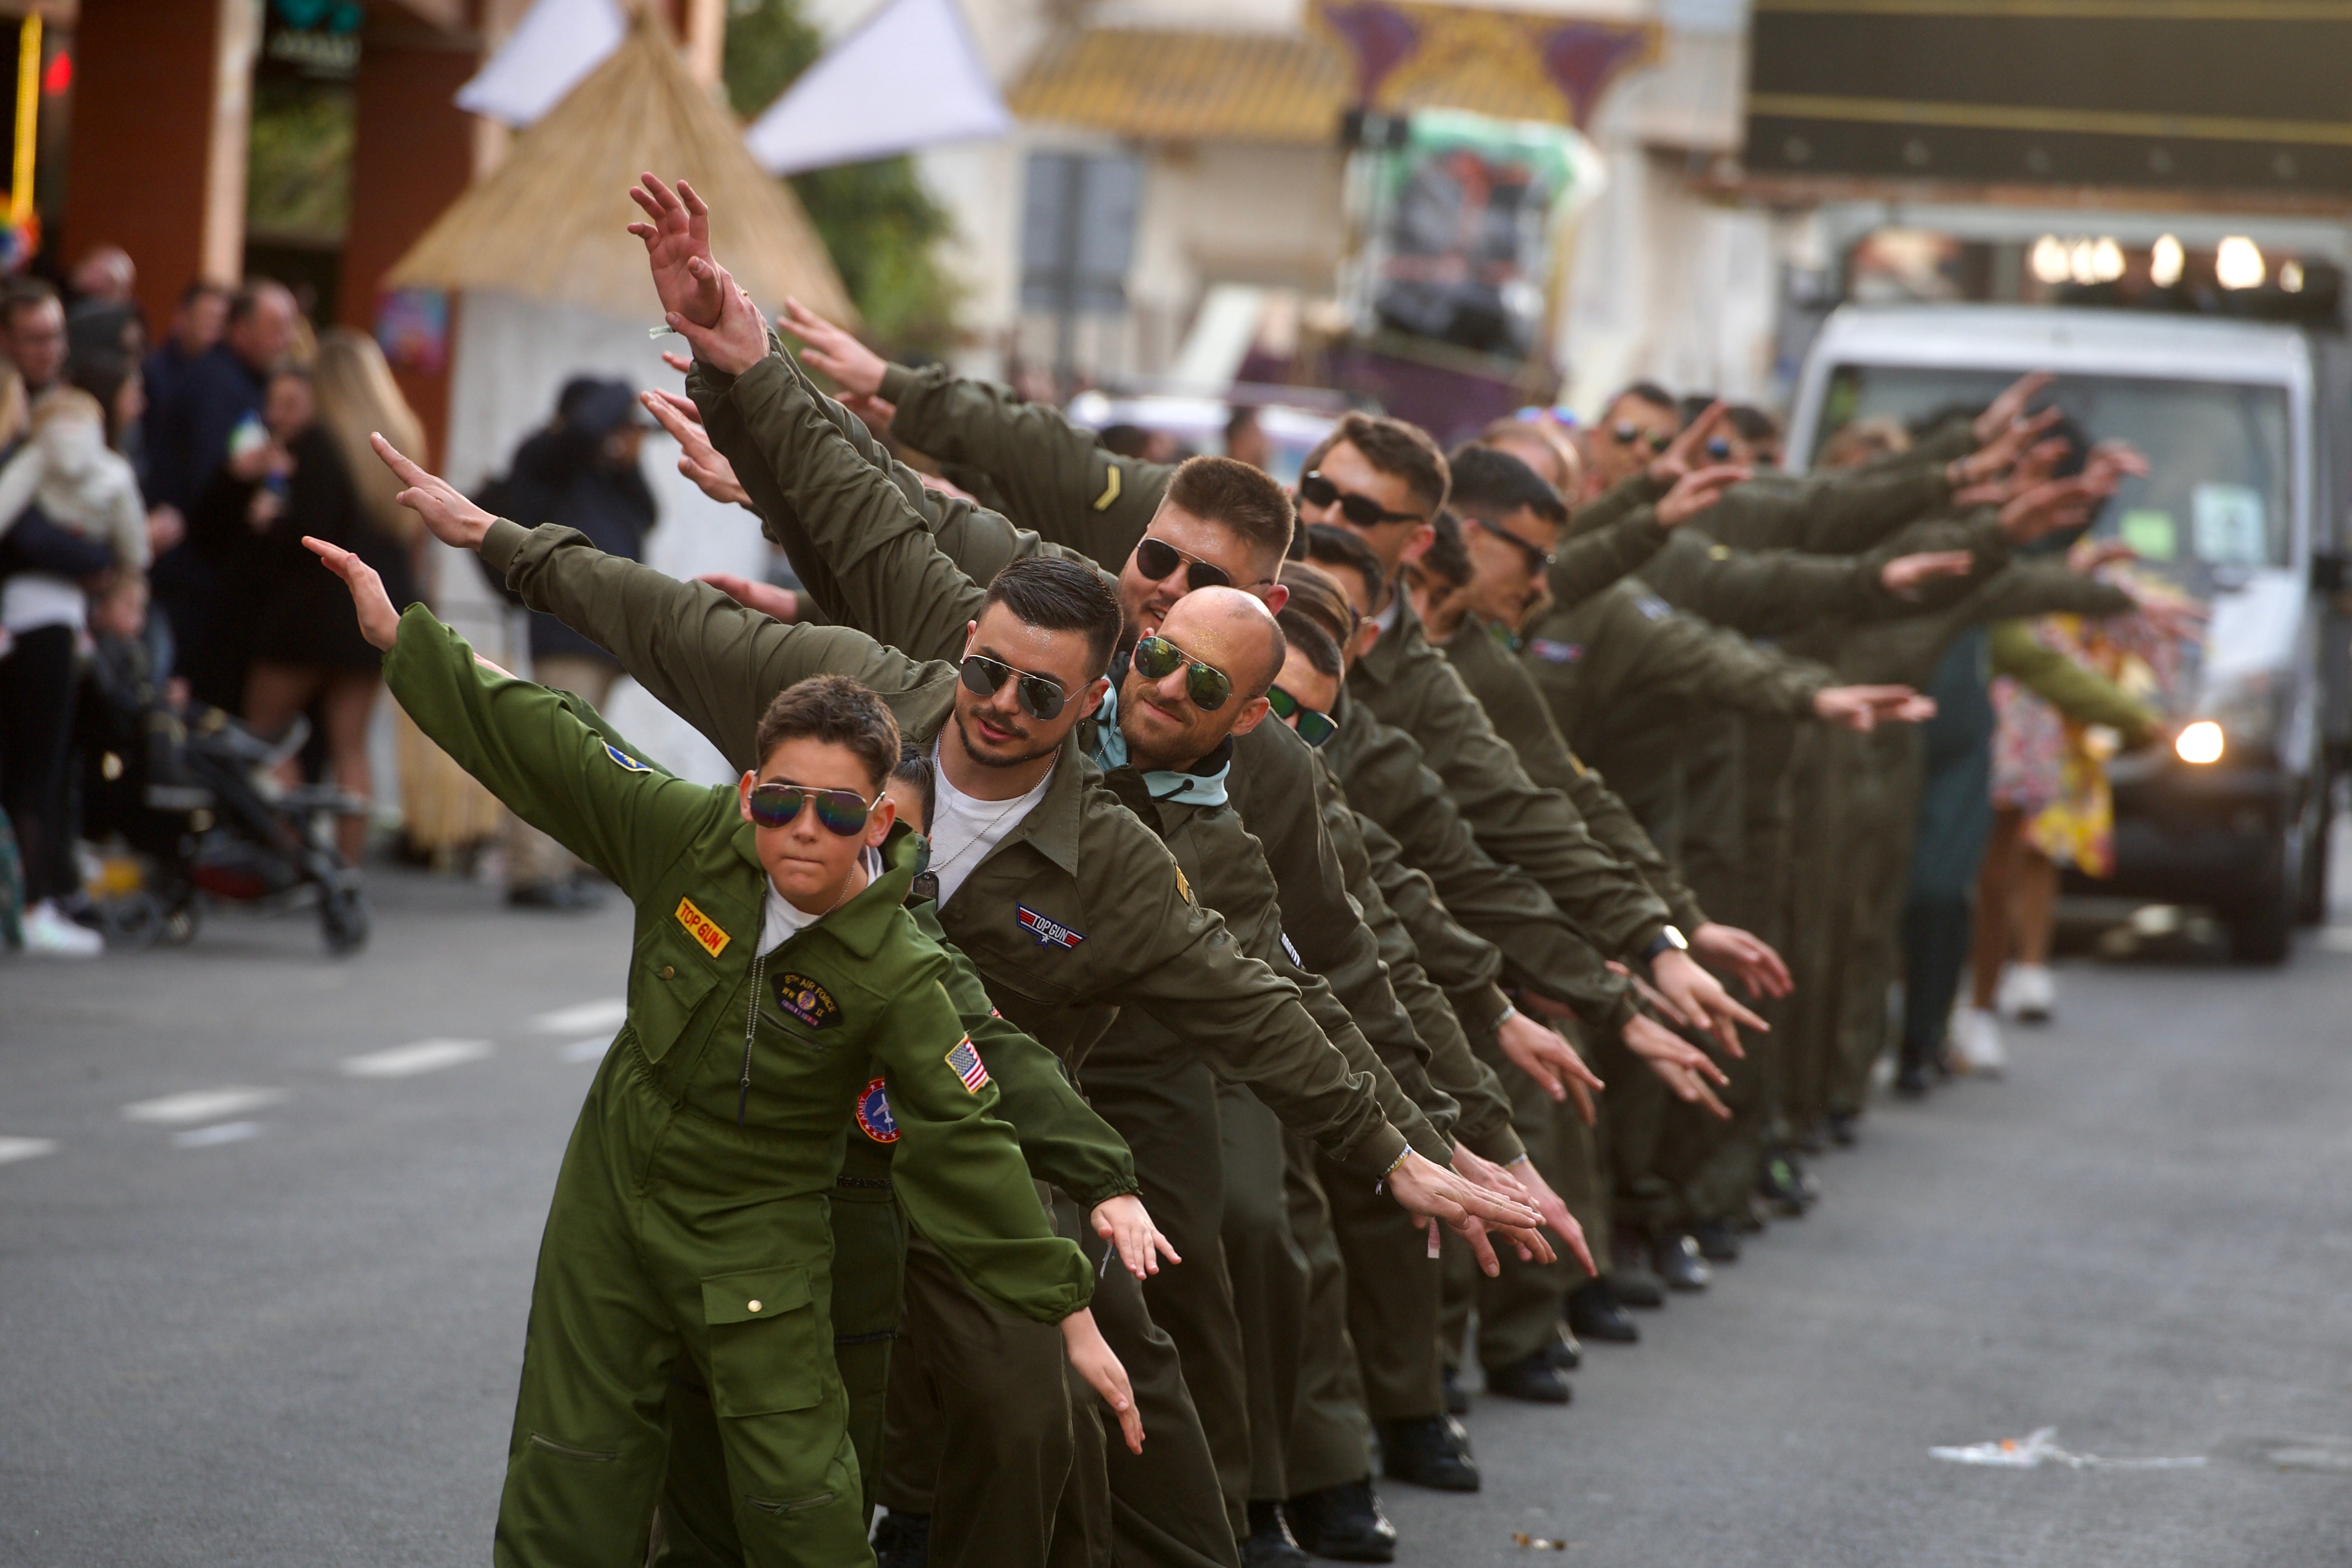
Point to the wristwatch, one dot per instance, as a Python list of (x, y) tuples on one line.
[(1667, 937)]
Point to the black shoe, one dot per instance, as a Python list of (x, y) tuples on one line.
[(903, 1540), (1633, 1284), (1781, 1184), (1458, 1398), (1911, 1078), (1593, 1314), (1342, 1522), (1677, 1260), (1431, 1451), (1533, 1378), (1270, 1544), (1564, 1352), (1717, 1242), (1846, 1128)]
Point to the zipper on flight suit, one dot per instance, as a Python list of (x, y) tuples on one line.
[(750, 1033)]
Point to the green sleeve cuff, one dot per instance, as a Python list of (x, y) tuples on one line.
[(1379, 1152), (501, 544), (897, 381), (1483, 1009)]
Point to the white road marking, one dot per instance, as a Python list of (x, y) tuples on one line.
[(15, 1149), (591, 1049), (224, 1132), (424, 1055), (2336, 939), (584, 1017), (202, 1105)]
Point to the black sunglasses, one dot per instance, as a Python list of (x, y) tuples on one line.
[(1361, 510), (843, 811), (1039, 698), (1539, 561), (1314, 726), (1158, 560), (1157, 658), (1628, 434)]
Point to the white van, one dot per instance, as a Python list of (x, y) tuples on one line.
[(2243, 424)]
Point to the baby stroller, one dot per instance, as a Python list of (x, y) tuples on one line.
[(194, 792)]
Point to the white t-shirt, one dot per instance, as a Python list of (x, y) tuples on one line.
[(31, 600), (965, 828), (784, 917)]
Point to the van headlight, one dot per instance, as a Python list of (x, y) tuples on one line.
[(2202, 742)]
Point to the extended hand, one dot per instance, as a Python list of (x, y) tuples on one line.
[(698, 460), (777, 603), (1862, 709), (2004, 410), (1696, 491), (379, 622), (1697, 994), (1906, 574), (1551, 1062), (1555, 1211), (739, 340), (1428, 1189), (1127, 1225), (1100, 1366), (678, 233), (854, 367), (1744, 954), (1682, 454), (1477, 1169), (450, 517), (1684, 1067)]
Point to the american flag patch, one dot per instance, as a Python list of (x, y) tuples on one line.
[(968, 1066)]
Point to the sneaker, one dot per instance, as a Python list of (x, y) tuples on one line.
[(2028, 993), (49, 933), (1976, 1042)]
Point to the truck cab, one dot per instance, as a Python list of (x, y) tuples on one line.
[(2243, 424)]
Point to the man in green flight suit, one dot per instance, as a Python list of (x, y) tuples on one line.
[(689, 1220)]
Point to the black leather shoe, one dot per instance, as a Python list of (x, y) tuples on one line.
[(1677, 1260), (1564, 1352), (1911, 1078), (1431, 1451), (1343, 1522), (903, 1540), (1593, 1314), (1458, 1398), (1846, 1128), (1533, 1378), (1633, 1284), (1270, 1544), (1781, 1185), (1717, 1242)]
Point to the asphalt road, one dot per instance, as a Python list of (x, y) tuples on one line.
[(266, 1225)]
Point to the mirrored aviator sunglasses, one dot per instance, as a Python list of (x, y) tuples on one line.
[(1158, 560), (1157, 658), (841, 811), (1039, 698), (1314, 727)]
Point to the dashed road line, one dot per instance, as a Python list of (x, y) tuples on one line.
[(222, 1132), (201, 1105), (15, 1149), (584, 1017), (424, 1055), (2336, 939)]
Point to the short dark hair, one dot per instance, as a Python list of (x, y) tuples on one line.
[(1692, 405), (249, 297), (1492, 485), (1752, 423), (21, 294), (915, 768), (203, 288), (1447, 557), (838, 711), (1229, 492), (1648, 391), (1393, 447), (1317, 596), (1054, 593), (1305, 633), (1330, 544)]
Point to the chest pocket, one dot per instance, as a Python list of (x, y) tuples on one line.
[(669, 980)]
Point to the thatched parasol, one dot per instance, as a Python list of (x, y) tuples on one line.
[(551, 223)]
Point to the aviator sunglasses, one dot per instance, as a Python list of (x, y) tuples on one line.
[(1314, 726), (841, 811), (1539, 561), (1361, 510), (1157, 658), (1158, 560), (1039, 698), (1628, 434)]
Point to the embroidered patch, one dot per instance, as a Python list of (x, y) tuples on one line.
[(965, 1060), (1552, 652), (699, 926), (625, 759), (1290, 951), (874, 1113), (1650, 604), (1110, 489), (1047, 929), (804, 999), (1182, 886)]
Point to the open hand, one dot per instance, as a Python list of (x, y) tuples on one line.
[(698, 460), (1682, 453), (1746, 954), (777, 603), (1095, 1362), (2006, 410), (1127, 1225), (1547, 1203), (1551, 1062), (1862, 709), (1696, 993), (449, 516), (379, 622), (679, 232), (1424, 1188), (740, 339), (855, 368), (1695, 492), (1683, 1067), (1477, 1169), (1906, 574)]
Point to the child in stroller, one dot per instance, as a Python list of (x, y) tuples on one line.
[(187, 787)]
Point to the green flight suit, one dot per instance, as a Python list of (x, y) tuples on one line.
[(688, 1221)]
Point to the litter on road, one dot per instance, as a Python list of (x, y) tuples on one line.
[(2040, 1447)]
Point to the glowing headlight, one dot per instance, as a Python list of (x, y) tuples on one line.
[(2200, 742)]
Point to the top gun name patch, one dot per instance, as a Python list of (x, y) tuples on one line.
[(625, 759), (1046, 931), (1552, 652), (873, 1117), (965, 1060), (804, 999), (699, 926)]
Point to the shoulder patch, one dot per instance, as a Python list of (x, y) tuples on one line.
[(1552, 652), (1720, 552), (1047, 930), (967, 1066), (1290, 951), (1182, 886), (624, 760), (874, 1113), (1650, 604), (699, 926), (804, 999), (1111, 479)]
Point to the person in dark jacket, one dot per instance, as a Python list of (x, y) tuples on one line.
[(580, 470)]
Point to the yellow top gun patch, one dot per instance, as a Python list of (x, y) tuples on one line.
[(1110, 489), (702, 928)]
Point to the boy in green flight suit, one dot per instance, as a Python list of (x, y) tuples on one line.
[(689, 1216)]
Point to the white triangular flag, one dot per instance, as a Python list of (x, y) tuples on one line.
[(550, 51), (906, 77)]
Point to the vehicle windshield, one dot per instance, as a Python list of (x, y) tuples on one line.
[(2217, 493)]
